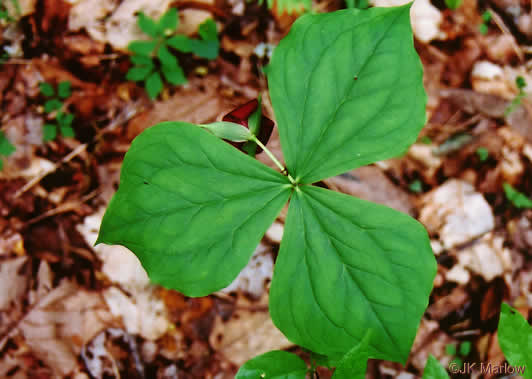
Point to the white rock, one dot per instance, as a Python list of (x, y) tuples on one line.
[(457, 213), (252, 279), (458, 274), (487, 71), (140, 309), (487, 257), (424, 16)]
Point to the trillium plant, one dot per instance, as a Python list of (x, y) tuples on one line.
[(352, 278)]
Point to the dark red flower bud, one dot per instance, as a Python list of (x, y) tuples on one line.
[(240, 115)]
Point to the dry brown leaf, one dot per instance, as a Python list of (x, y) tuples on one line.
[(61, 322), (369, 183), (113, 21), (13, 280), (247, 334), (456, 212)]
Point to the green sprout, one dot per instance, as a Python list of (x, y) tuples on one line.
[(521, 84), (5, 15), (152, 59), (453, 4), (416, 186), (459, 353), (425, 140), (483, 153), (486, 18), (6, 148), (518, 199), (53, 106)]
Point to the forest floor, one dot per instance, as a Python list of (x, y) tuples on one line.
[(69, 309)]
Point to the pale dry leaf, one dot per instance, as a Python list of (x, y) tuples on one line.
[(14, 281), (141, 310), (486, 257), (60, 323), (369, 183), (247, 334), (456, 212), (424, 17), (113, 21), (253, 279)]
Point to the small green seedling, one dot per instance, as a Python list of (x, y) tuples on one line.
[(347, 90), (521, 84), (289, 6), (515, 340), (483, 154), (359, 4), (9, 15), (460, 354), (453, 4), (518, 199), (416, 186), (53, 106), (486, 19), (152, 59), (434, 370), (6, 148)]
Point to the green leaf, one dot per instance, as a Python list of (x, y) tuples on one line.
[(208, 46), (49, 132), (191, 207), (144, 48), (6, 148), (520, 82), (416, 186), (166, 57), (434, 370), (518, 199), (168, 21), (354, 364), (180, 42), (515, 339), (141, 60), (147, 25), (483, 154), (229, 131), (450, 349), (453, 4), (174, 75), (67, 131), (204, 49), (65, 119), (154, 85), (63, 89), (347, 90), (207, 30), (52, 105), (345, 266), (46, 89), (273, 365), (139, 73), (465, 348)]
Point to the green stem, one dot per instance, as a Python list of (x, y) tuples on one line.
[(272, 157)]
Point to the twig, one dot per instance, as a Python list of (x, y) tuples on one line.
[(502, 26), (66, 207), (120, 119)]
